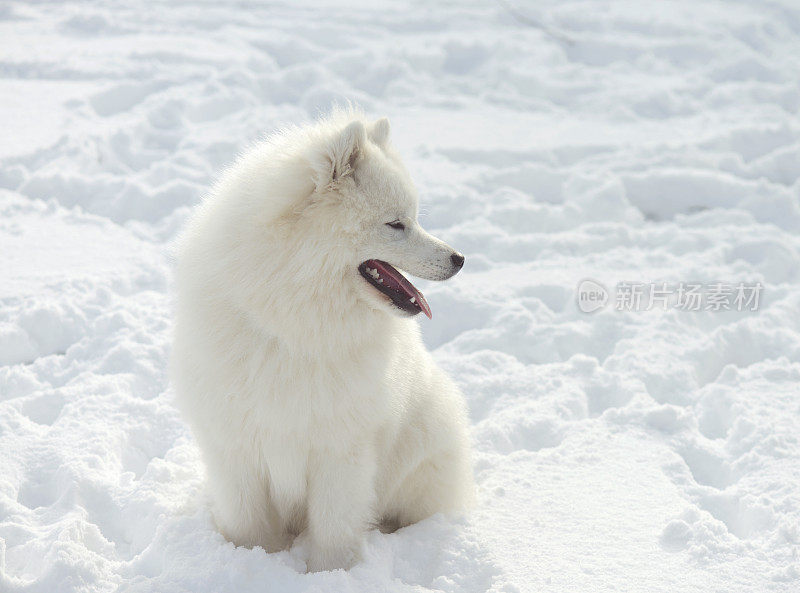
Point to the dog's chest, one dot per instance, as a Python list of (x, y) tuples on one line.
[(325, 398)]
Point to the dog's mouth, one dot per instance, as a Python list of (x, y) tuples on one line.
[(388, 280)]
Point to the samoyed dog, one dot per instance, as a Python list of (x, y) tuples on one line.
[(297, 360)]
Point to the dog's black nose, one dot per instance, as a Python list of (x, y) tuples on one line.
[(458, 260)]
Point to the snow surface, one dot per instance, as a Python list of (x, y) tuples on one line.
[(551, 142)]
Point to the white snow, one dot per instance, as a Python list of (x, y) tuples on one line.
[(631, 141)]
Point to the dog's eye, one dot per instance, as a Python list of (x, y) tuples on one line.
[(396, 224)]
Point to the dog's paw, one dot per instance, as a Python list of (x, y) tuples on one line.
[(321, 559)]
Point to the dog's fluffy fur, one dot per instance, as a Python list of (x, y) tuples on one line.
[(312, 398)]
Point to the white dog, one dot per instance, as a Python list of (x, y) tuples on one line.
[(296, 359)]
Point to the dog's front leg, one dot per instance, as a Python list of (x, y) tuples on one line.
[(340, 505)]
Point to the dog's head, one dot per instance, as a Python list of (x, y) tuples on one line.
[(310, 228), (366, 198)]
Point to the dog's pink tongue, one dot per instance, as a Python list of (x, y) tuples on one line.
[(395, 280)]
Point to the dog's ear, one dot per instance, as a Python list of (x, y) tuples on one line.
[(341, 155), (379, 131)]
